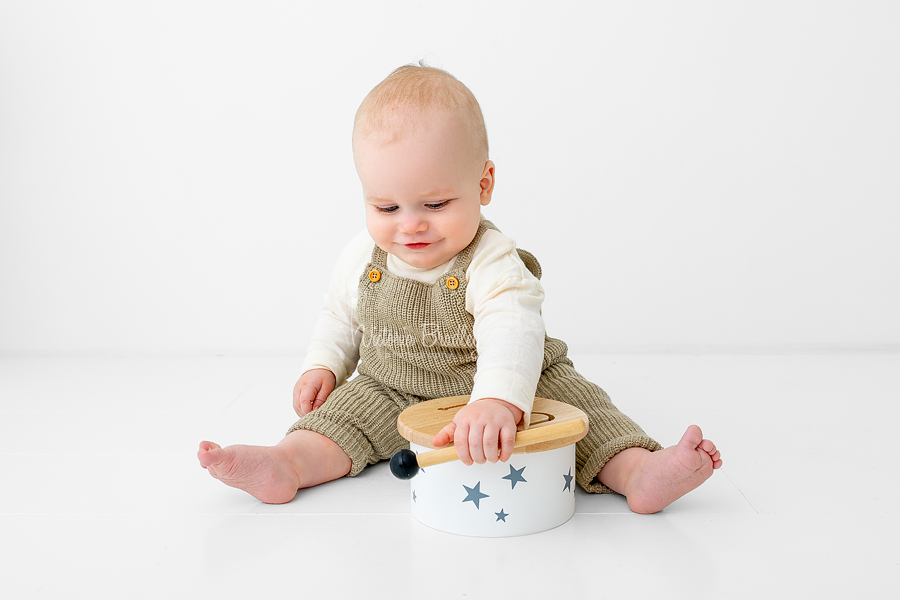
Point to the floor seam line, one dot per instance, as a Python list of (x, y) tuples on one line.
[(741, 492)]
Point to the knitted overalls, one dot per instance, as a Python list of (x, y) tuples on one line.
[(418, 345)]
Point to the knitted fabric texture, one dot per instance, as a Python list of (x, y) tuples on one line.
[(417, 337), (418, 344)]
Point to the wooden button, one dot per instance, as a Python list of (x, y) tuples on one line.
[(375, 275), (452, 283)]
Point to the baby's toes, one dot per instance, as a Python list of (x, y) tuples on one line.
[(713, 452), (208, 454)]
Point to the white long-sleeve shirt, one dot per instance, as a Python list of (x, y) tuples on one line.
[(501, 294)]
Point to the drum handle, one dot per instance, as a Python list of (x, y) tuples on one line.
[(537, 435)]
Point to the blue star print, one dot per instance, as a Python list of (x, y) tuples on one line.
[(515, 476), (474, 494), (568, 479), (501, 516)]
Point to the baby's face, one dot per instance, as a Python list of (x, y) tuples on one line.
[(423, 192)]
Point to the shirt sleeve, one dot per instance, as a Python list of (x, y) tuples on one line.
[(505, 299), (337, 334)]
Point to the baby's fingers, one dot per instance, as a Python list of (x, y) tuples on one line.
[(461, 441), (477, 440), (491, 444), (298, 387), (305, 400), (322, 395), (507, 442), (444, 435)]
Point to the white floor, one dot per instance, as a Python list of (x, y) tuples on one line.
[(102, 496)]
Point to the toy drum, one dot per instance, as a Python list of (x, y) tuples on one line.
[(532, 492)]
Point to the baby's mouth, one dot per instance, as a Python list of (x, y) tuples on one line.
[(418, 246)]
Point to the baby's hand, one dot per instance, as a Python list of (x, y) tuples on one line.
[(482, 431), (312, 389)]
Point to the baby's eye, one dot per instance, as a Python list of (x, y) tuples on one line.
[(386, 209), (437, 205)]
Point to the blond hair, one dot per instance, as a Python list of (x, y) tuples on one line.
[(394, 105)]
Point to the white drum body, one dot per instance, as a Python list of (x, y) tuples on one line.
[(530, 493)]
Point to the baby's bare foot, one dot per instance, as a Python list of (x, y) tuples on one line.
[(669, 474), (263, 472)]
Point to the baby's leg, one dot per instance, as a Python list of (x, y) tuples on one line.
[(616, 455), (273, 474), (610, 431), (360, 416), (355, 427), (653, 480)]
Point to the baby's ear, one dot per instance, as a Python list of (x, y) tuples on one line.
[(487, 182)]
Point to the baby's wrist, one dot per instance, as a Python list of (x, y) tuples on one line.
[(516, 412), (317, 372)]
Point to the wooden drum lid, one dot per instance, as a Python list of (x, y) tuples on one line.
[(534, 491)]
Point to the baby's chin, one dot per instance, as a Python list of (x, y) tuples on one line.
[(420, 262), (426, 259)]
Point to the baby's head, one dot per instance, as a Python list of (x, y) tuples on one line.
[(421, 151), (396, 106)]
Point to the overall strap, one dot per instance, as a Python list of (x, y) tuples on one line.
[(379, 258), (464, 258)]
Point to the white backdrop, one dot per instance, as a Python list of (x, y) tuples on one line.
[(176, 176)]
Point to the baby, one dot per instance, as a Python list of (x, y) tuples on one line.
[(433, 301)]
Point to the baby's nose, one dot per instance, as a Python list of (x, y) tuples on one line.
[(413, 224)]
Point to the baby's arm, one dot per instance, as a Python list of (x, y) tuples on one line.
[(505, 300), (312, 389), (334, 348), (477, 428)]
